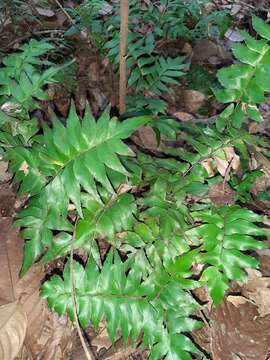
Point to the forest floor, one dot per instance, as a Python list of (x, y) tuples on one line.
[(240, 328)]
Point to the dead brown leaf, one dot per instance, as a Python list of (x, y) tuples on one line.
[(238, 331), (146, 137), (209, 167), (257, 290), (221, 194), (46, 334), (13, 323), (222, 162), (237, 301)]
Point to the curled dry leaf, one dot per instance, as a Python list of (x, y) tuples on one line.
[(231, 160), (222, 162), (209, 167), (13, 324)]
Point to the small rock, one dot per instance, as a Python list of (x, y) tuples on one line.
[(214, 60), (183, 116), (233, 36), (45, 12), (146, 137), (106, 9), (205, 48), (193, 100)]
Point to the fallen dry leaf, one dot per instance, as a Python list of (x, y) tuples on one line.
[(145, 136), (235, 9), (209, 167), (257, 289), (46, 334), (221, 194), (231, 160), (231, 156), (13, 323), (236, 300), (238, 330)]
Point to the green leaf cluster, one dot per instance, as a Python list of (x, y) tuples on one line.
[(61, 168), (224, 235), (159, 309), (148, 72), (84, 170), (164, 236), (21, 87), (244, 84)]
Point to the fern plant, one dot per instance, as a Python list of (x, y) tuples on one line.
[(57, 166), (148, 72), (85, 185), (245, 83), (21, 87), (78, 170), (138, 306), (223, 239)]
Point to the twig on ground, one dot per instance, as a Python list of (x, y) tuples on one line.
[(34, 33), (65, 12)]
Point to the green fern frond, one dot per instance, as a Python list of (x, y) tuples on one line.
[(105, 220), (21, 87), (245, 84), (160, 309), (224, 235), (77, 158)]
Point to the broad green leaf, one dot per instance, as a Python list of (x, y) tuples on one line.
[(261, 27)]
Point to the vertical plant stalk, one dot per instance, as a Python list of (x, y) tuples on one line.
[(124, 10), (89, 355)]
